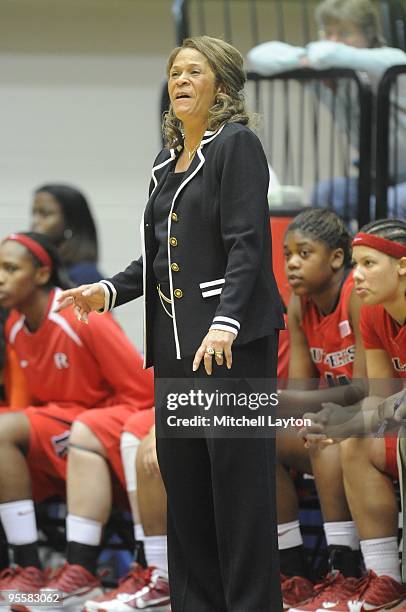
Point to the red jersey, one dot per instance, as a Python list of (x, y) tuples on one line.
[(67, 362), (330, 337), (380, 331)]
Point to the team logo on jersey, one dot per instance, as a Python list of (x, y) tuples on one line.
[(61, 361), (340, 358), (337, 359), (60, 443), (317, 354), (398, 365)]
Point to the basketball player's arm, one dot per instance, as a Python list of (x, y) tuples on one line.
[(119, 361), (373, 414)]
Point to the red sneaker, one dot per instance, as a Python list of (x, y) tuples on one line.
[(71, 585), (134, 581), (6, 575), (374, 593), (296, 590), (152, 598), (333, 589), (20, 579)]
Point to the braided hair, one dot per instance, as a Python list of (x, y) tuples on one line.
[(390, 229), (324, 225)]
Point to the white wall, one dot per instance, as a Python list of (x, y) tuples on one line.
[(79, 101)]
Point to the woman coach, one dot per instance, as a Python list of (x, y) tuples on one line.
[(211, 307)]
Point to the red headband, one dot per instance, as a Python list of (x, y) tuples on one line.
[(35, 248), (393, 249)]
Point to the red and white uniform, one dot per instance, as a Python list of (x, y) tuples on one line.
[(380, 331), (75, 369), (330, 337)]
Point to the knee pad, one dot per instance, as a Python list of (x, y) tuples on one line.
[(129, 446)]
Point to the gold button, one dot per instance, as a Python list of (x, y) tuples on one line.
[(174, 217), (178, 293), (173, 242), (175, 267)]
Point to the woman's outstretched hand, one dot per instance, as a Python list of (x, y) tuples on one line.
[(215, 345), (84, 299)]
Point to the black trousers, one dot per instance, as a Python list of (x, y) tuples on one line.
[(222, 527)]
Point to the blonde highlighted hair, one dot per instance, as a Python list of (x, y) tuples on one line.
[(361, 13), (226, 63)]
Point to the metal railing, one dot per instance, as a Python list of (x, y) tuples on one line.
[(246, 23), (391, 142), (393, 19), (286, 20), (314, 143)]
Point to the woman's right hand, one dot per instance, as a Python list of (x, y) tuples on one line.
[(84, 299)]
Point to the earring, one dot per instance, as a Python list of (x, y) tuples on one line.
[(67, 234)]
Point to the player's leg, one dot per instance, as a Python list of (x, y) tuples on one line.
[(16, 505), (339, 526), (94, 453), (89, 496), (364, 462), (147, 499), (296, 586), (145, 487), (32, 466), (369, 466), (151, 497), (290, 453)]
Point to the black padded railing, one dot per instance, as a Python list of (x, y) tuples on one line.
[(390, 135), (286, 20), (311, 141), (246, 23), (393, 19)]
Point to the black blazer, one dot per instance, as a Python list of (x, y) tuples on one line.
[(219, 248)]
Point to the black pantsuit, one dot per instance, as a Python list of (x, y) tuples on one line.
[(217, 251), (222, 537)]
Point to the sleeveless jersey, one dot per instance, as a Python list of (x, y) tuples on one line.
[(380, 331), (330, 337)]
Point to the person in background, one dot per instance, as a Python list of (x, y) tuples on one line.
[(326, 351), (141, 588), (62, 213), (85, 382), (212, 309), (370, 463), (350, 38)]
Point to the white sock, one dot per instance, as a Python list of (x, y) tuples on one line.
[(155, 548), (381, 555), (19, 522), (289, 535), (342, 533), (83, 530)]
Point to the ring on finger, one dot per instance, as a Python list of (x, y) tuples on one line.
[(210, 350)]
